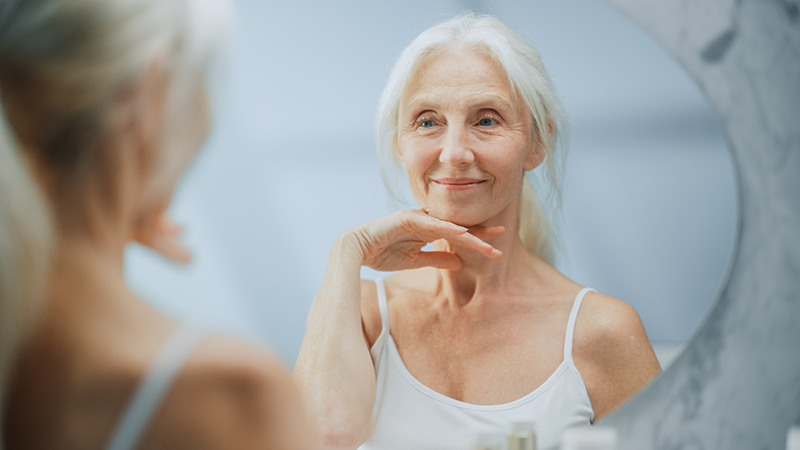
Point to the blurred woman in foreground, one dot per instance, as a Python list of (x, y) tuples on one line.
[(481, 331), (106, 101)]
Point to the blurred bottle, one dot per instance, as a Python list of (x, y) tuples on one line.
[(489, 440), (793, 438), (522, 436), (589, 438)]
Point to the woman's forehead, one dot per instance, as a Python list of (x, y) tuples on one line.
[(467, 77), (457, 68)]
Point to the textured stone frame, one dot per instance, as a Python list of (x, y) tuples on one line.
[(737, 385)]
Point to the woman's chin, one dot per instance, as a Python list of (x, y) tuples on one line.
[(461, 218)]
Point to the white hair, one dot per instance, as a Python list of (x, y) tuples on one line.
[(25, 237), (529, 80), (63, 66)]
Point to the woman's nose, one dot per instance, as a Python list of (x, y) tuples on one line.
[(455, 149)]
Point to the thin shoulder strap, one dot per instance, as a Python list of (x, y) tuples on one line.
[(571, 323), (382, 305), (150, 392)]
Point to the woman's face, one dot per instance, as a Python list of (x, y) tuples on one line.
[(185, 120), (464, 141), (186, 125)]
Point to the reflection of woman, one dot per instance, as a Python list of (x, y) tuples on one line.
[(106, 100), (463, 338)]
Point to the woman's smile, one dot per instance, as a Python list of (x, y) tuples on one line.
[(457, 184)]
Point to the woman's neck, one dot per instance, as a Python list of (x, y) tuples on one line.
[(479, 276), (85, 271)]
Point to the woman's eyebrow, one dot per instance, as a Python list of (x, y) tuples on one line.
[(488, 101), (422, 103)]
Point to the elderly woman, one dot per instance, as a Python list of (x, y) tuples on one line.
[(482, 330), (106, 101)]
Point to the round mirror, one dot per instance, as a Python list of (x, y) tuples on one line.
[(649, 196)]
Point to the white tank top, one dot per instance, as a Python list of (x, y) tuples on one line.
[(409, 415)]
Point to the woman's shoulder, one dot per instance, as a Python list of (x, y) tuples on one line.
[(608, 328), (397, 286), (230, 394), (605, 317), (612, 351)]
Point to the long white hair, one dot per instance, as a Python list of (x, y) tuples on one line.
[(529, 80)]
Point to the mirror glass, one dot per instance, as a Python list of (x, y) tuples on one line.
[(649, 196)]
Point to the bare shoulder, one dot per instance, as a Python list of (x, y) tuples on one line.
[(604, 322), (370, 312), (612, 351), (231, 394)]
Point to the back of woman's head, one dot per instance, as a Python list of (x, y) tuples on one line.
[(529, 81), (66, 67)]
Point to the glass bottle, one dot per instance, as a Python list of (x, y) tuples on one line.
[(589, 438), (793, 438), (489, 440), (522, 436)]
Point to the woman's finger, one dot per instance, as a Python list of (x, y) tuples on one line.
[(163, 236), (171, 248), (467, 240), (430, 228), (487, 232), (439, 260)]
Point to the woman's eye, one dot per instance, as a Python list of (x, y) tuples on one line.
[(487, 122), (426, 123)]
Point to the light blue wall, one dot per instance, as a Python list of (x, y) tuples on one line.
[(649, 204)]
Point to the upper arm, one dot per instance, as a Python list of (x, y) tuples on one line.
[(231, 394), (370, 312), (612, 352)]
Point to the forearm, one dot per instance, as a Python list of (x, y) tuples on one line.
[(334, 369)]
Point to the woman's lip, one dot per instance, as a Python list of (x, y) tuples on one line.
[(457, 184)]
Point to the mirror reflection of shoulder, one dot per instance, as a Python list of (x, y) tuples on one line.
[(480, 331), (106, 102)]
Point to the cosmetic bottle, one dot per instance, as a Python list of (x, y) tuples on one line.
[(793, 438), (589, 438), (522, 436), (489, 440)]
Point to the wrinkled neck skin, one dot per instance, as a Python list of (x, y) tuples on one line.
[(480, 278)]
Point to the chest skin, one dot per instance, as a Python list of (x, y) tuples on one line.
[(490, 351)]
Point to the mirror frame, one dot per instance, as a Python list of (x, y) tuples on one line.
[(737, 384)]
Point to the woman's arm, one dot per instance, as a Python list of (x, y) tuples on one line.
[(612, 352), (334, 369)]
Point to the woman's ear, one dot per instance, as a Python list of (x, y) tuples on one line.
[(537, 152), (535, 156), (139, 118)]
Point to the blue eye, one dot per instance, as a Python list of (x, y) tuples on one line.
[(487, 122), (426, 123)]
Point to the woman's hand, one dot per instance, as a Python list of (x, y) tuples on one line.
[(395, 242), (334, 369), (163, 235)]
